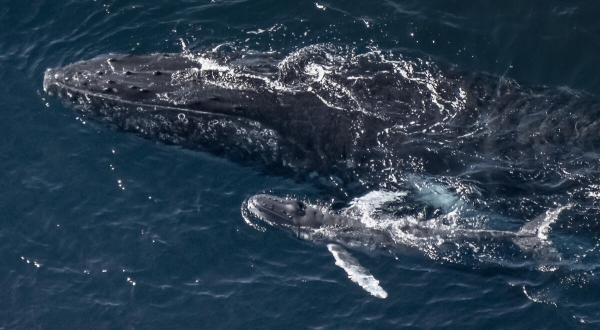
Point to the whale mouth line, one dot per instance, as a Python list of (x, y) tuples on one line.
[(62, 87)]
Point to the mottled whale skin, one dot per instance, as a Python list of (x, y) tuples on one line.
[(340, 231), (304, 219), (359, 123), (141, 94)]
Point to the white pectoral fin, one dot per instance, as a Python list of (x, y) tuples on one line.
[(356, 273)]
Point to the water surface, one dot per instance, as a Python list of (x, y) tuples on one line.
[(102, 229)]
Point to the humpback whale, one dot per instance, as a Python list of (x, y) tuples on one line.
[(350, 121), (357, 122), (317, 223)]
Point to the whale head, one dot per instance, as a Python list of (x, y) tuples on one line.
[(116, 77), (176, 100), (233, 110), (164, 82), (289, 213), (164, 87)]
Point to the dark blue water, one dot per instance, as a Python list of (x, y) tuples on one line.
[(101, 229)]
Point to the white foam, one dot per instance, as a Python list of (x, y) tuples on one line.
[(376, 198), (317, 71), (365, 206), (208, 64)]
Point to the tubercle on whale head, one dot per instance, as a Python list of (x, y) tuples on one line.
[(173, 83), (125, 77)]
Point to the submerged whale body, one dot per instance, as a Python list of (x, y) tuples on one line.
[(356, 123)]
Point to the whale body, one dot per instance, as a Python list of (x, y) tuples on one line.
[(337, 231), (356, 121)]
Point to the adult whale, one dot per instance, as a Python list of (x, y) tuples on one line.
[(354, 121)]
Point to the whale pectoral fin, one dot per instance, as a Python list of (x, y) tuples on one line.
[(356, 273)]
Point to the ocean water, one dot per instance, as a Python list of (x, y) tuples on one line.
[(103, 229)]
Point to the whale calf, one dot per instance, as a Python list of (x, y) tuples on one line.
[(335, 230)]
